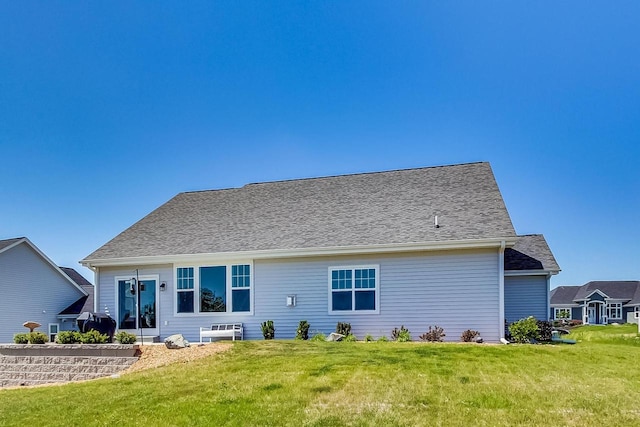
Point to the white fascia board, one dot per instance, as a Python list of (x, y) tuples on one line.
[(510, 273), (297, 253)]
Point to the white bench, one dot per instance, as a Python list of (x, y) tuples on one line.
[(222, 330)]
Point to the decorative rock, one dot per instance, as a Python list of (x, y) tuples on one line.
[(31, 325), (176, 341), (334, 336), (478, 339)]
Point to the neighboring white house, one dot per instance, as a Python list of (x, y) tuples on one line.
[(35, 289), (414, 247)]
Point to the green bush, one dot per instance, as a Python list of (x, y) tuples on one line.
[(469, 335), (125, 337), (68, 337), (21, 338), (368, 338), (38, 337), (343, 328), (434, 334), (350, 338), (400, 335), (302, 333), (268, 330), (93, 337), (319, 337), (524, 330), (383, 339), (544, 330)]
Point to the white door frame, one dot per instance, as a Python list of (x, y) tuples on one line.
[(141, 278)]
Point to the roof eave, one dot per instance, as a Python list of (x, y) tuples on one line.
[(306, 252)]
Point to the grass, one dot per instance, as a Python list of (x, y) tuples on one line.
[(295, 383)]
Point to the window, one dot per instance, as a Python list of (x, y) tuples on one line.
[(353, 289), (636, 312), (562, 313), (53, 331), (185, 290), (614, 310), (219, 289)]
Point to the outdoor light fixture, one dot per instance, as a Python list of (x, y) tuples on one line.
[(163, 286), (291, 300)]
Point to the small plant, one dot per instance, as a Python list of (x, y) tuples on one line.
[(469, 335), (68, 337), (544, 330), (343, 328), (21, 338), (434, 334), (268, 330), (524, 330), (319, 337), (93, 337), (368, 338), (400, 335), (350, 338), (125, 337), (573, 323), (383, 339), (38, 337), (303, 330)]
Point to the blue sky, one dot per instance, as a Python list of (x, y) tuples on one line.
[(109, 109)]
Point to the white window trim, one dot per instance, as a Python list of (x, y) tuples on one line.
[(57, 325), (228, 289), (139, 278), (636, 312), (614, 306), (353, 311), (555, 313)]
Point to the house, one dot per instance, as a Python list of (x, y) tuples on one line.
[(35, 289), (597, 302), (415, 247)]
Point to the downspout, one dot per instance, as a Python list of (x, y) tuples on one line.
[(548, 300), (501, 289)]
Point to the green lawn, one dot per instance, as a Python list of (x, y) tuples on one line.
[(297, 383)]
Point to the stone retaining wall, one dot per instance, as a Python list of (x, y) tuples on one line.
[(33, 364)]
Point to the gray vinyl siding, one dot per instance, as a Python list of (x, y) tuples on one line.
[(576, 313), (525, 296), (456, 290), (32, 290)]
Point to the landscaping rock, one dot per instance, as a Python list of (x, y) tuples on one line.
[(334, 336), (478, 340), (176, 341)]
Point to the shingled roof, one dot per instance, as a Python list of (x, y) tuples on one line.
[(84, 303), (382, 208), (8, 242), (531, 252), (625, 290)]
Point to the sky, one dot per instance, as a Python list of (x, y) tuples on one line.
[(109, 109)]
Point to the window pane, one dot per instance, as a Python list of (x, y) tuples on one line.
[(241, 300), (185, 278), (341, 301), (240, 276), (365, 300), (213, 289), (185, 302)]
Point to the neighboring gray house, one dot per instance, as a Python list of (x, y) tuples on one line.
[(597, 302), (35, 289), (416, 247)]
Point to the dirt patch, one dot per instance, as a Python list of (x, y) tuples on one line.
[(156, 355)]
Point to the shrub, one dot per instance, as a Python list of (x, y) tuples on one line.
[(383, 339), (524, 330), (400, 335), (434, 334), (469, 335), (350, 338), (343, 328), (38, 337), (93, 337), (575, 323), (303, 330), (268, 330), (544, 330), (21, 338), (319, 337), (125, 337), (68, 337), (368, 338)]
